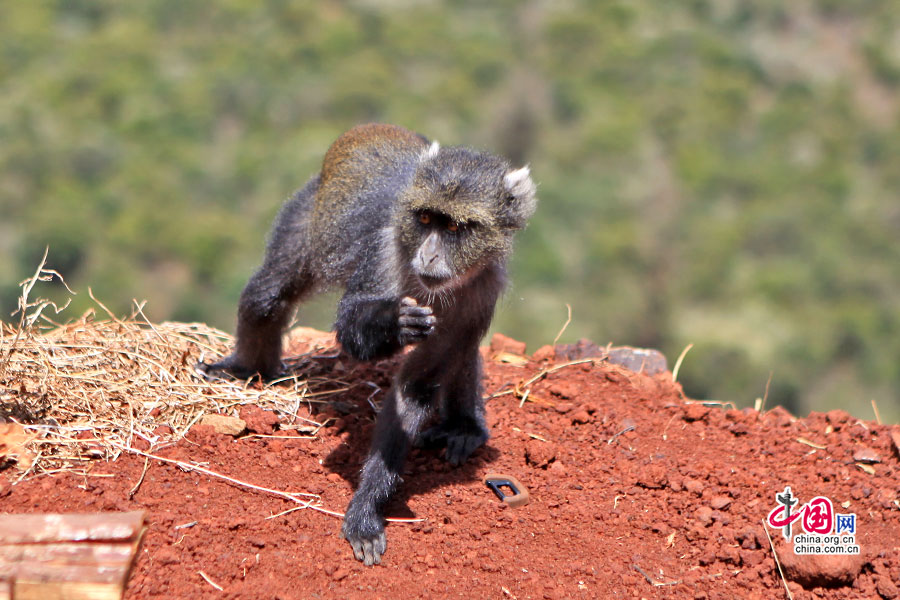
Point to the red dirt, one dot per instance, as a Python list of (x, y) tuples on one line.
[(678, 500)]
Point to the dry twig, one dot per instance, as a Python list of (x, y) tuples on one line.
[(89, 387)]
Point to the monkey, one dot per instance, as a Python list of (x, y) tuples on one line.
[(418, 235)]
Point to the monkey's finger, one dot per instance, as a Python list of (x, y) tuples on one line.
[(421, 322), (412, 335), (419, 311), (409, 306), (381, 544)]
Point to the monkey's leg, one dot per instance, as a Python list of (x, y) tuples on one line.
[(263, 314), (462, 429), (268, 299), (402, 415)]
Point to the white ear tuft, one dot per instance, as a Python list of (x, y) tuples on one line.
[(430, 152), (521, 202), (518, 182)]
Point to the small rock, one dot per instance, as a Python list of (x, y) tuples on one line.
[(866, 455), (694, 486), (748, 539), (163, 431), (583, 348), (729, 554), (704, 514), (720, 502), (564, 389), (502, 343), (340, 573), (659, 527), (615, 377), (259, 420), (837, 418), (558, 468), (652, 477), (820, 570), (886, 588), (895, 438), (695, 411), (544, 353), (751, 558), (539, 453), (639, 360), (224, 424), (581, 417), (167, 556), (739, 429)]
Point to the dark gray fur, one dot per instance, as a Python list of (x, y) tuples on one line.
[(356, 224)]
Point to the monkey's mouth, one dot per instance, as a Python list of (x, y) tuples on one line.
[(431, 282)]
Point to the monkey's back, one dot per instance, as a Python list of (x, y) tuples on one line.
[(363, 173)]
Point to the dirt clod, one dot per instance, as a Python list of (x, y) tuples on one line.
[(259, 420), (539, 453)]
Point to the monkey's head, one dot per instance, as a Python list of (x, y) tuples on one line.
[(460, 214)]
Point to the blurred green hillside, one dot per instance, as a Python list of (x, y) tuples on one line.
[(714, 172)]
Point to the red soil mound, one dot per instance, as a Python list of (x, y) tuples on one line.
[(635, 493)]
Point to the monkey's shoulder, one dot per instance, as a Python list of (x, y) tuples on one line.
[(365, 146)]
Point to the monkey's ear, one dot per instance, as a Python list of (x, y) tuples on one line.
[(430, 152), (520, 201)]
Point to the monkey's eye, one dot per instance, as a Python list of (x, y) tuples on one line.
[(424, 218), (452, 226)]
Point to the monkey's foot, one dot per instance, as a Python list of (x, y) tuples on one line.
[(366, 536), (230, 367), (460, 439)]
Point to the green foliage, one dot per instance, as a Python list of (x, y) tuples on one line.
[(716, 172)]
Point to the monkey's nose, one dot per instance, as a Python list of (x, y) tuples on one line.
[(433, 258)]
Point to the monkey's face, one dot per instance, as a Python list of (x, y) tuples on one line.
[(459, 215), (443, 251)]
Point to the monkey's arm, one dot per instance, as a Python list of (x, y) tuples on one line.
[(372, 328)]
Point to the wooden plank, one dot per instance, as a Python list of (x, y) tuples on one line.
[(48, 573), (67, 591), (68, 557), (72, 554), (74, 527)]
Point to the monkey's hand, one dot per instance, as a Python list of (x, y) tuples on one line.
[(416, 322), (365, 531)]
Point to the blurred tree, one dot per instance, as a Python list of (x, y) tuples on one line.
[(714, 172)]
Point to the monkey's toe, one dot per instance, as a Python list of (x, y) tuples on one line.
[(461, 447), (368, 549), (460, 441), (230, 368)]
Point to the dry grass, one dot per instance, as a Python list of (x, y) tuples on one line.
[(86, 389)]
